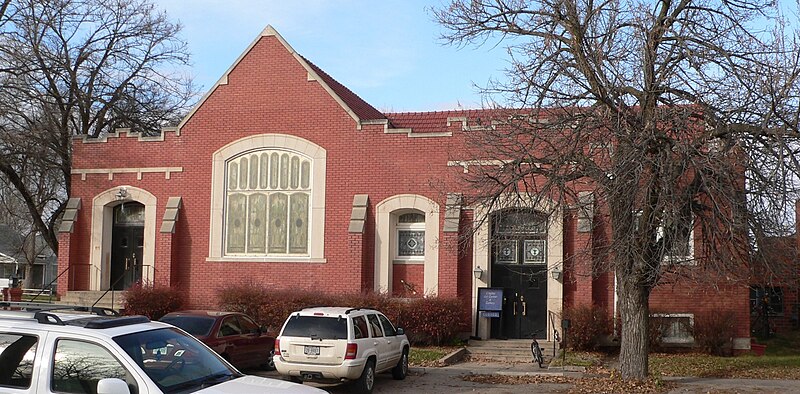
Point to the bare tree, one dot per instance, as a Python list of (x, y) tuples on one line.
[(680, 117), (80, 67)]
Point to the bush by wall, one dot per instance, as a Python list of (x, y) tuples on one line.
[(153, 302), (587, 325), (431, 320), (714, 332)]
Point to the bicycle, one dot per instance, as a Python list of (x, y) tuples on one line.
[(536, 351)]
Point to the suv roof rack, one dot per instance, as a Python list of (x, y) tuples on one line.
[(43, 313), (41, 306)]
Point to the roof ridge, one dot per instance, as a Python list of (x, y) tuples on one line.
[(363, 109)]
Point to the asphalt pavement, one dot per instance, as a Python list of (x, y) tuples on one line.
[(449, 380)]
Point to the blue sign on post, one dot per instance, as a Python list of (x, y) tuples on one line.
[(490, 299)]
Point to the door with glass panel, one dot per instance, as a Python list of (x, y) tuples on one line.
[(519, 266), (127, 245)]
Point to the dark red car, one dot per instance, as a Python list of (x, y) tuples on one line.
[(235, 336)]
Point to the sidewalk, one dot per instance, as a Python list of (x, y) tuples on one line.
[(686, 384)]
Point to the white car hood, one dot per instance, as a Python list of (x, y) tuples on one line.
[(254, 385)]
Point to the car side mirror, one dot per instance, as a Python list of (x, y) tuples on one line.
[(400, 331), (112, 386)]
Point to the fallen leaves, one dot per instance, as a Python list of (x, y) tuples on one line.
[(583, 385)]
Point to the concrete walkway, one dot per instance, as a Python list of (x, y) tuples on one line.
[(449, 380)]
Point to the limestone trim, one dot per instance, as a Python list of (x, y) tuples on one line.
[(130, 134), (386, 213), (102, 222), (465, 124), (555, 257), (408, 131), (133, 170), (318, 157)]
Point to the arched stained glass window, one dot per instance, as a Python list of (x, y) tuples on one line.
[(267, 204)]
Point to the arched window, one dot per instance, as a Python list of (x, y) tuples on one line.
[(268, 200), (267, 203)]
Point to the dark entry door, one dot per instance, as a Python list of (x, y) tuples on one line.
[(127, 245), (519, 265)]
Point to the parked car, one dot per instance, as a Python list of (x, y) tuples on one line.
[(234, 336), (53, 349), (341, 344)]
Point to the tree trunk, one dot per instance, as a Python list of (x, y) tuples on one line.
[(27, 283), (634, 346)]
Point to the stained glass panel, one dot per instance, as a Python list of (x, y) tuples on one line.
[(284, 178), (298, 225), (257, 224), (410, 243), (253, 172), (233, 175), (305, 171), (277, 223), (243, 173), (535, 251), (236, 223), (520, 222), (506, 252), (295, 172), (264, 173), (274, 167)]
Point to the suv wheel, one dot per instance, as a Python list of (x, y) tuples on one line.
[(365, 383), (400, 371), (270, 364)]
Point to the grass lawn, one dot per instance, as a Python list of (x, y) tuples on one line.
[(781, 361), (428, 356)]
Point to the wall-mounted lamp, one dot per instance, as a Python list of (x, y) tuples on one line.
[(122, 193), (477, 272), (556, 274)]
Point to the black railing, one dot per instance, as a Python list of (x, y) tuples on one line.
[(70, 285)]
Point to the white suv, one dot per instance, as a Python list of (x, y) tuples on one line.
[(44, 351), (341, 344)]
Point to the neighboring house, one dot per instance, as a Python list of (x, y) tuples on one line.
[(12, 259), (774, 291), (283, 176)]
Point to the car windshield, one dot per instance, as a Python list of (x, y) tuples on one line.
[(176, 362), (198, 326), (316, 327)]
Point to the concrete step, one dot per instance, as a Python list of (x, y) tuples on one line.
[(515, 350), (87, 298)]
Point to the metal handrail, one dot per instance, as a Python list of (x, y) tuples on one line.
[(114, 284), (111, 288), (50, 285)]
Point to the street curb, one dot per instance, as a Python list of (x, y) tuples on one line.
[(453, 357)]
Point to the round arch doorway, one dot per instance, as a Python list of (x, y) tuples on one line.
[(127, 245), (519, 266)]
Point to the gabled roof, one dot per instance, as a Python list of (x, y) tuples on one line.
[(361, 108), (357, 108)]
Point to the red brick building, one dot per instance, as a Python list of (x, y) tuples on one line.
[(283, 176)]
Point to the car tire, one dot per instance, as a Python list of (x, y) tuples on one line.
[(400, 371), (270, 364), (366, 381)]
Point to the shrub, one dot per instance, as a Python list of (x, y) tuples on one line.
[(153, 302), (431, 321), (587, 325), (425, 320), (714, 332)]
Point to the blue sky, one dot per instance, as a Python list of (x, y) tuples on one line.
[(386, 51)]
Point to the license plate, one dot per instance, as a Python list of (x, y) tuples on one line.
[(311, 350)]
